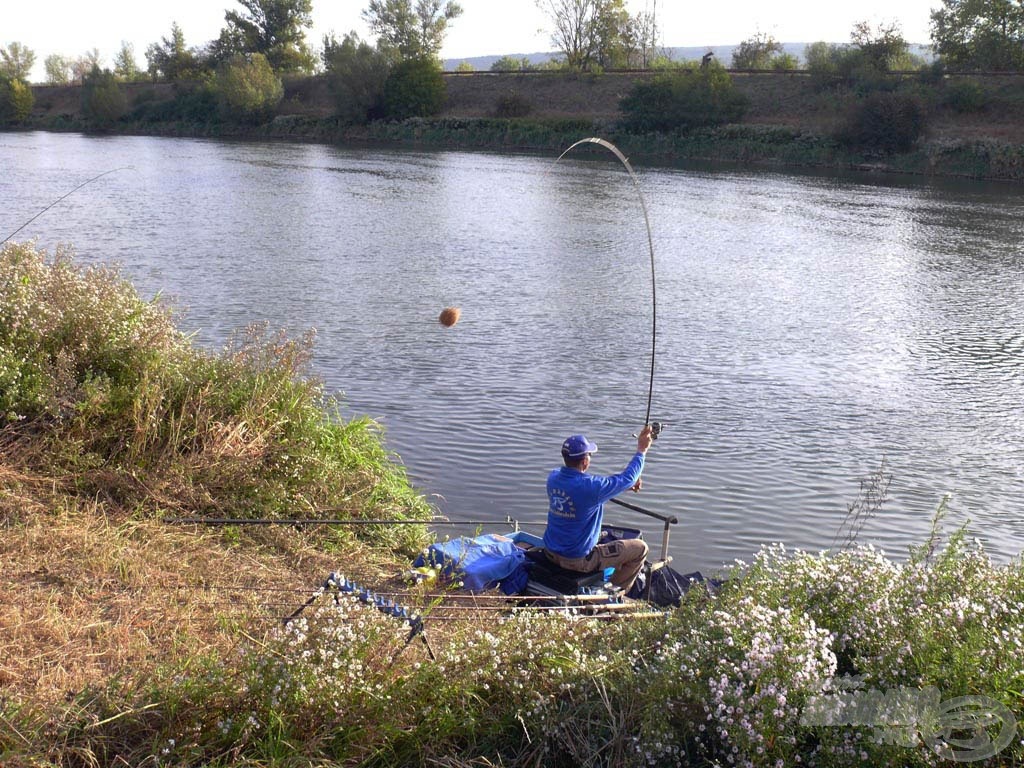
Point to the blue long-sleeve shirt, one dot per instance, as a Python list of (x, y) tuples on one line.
[(576, 506)]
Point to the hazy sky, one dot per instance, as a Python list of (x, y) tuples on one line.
[(486, 27)]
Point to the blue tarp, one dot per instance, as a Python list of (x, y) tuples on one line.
[(482, 563)]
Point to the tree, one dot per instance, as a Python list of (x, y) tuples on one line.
[(16, 61), (979, 34), (640, 39), (275, 29), (58, 69), (881, 49), (411, 30), (125, 67), (356, 73), (84, 64), (820, 58), (865, 62), (756, 52), (16, 99), (415, 88), (248, 87), (171, 59), (613, 43), (575, 30), (103, 101), (600, 33)]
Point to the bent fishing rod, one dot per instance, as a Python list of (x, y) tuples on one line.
[(62, 197), (656, 427)]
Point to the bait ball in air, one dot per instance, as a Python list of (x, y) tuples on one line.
[(449, 316)]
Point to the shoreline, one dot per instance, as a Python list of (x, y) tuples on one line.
[(753, 146)]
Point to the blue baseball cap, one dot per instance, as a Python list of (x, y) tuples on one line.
[(577, 446)]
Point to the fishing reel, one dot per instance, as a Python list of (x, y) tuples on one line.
[(656, 427)]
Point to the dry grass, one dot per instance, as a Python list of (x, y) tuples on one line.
[(89, 594)]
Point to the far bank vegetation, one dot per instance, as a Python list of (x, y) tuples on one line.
[(870, 96)]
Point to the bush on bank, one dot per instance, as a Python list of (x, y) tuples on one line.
[(100, 392), (413, 88), (891, 123), (248, 88), (682, 100)]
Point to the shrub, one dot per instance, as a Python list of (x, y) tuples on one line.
[(965, 97), (883, 122), (512, 105), (16, 99), (756, 52), (103, 99), (415, 88), (683, 99), (65, 331), (785, 62), (830, 65), (190, 104), (512, 64), (797, 635), (932, 74), (247, 88)]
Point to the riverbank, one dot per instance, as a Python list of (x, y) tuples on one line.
[(127, 640), (975, 124)]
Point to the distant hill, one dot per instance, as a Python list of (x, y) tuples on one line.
[(723, 53)]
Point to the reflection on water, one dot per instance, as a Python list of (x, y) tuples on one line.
[(810, 328)]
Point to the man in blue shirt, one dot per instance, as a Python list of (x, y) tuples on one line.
[(576, 508)]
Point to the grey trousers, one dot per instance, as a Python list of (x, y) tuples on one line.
[(626, 556)]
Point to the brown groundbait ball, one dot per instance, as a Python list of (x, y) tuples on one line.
[(449, 316)]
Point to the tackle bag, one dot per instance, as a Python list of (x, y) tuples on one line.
[(481, 562)]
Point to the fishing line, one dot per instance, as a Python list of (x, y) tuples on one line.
[(84, 183), (650, 242)]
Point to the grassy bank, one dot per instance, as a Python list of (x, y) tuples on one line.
[(128, 641), (101, 395)]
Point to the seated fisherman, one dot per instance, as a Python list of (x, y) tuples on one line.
[(576, 509)]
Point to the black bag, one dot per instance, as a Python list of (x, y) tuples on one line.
[(668, 586)]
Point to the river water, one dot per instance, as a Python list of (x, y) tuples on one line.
[(810, 328)]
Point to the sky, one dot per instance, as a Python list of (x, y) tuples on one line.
[(486, 27)]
